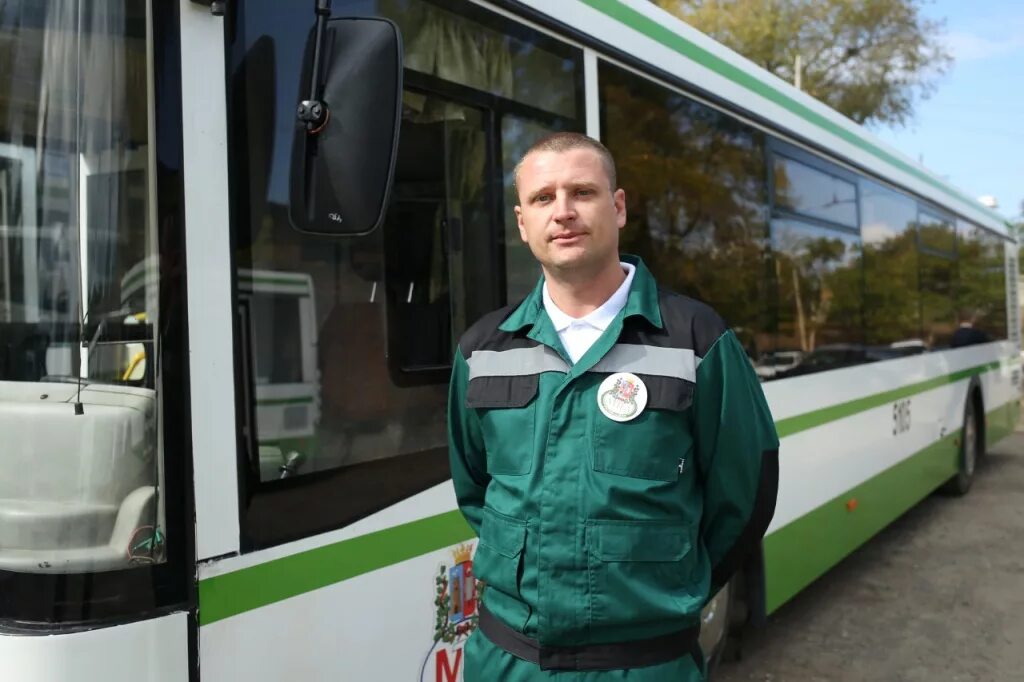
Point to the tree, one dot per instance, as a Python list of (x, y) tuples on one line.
[(868, 59)]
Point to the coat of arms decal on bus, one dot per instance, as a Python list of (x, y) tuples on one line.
[(455, 605)]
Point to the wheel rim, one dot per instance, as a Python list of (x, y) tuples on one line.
[(970, 443), (714, 622)]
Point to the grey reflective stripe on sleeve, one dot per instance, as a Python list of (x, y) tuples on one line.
[(680, 363), (515, 362)]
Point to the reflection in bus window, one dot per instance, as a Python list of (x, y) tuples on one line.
[(981, 281), (892, 307), (935, 233), (995, 294), (277, 341), (819, 277), (813, 193), (938, 308), (365, 425), (696, 197)]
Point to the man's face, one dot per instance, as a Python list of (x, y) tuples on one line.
[(567, 213)]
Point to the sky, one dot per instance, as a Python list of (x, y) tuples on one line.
[(971, 130)]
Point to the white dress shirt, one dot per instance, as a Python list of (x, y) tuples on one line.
[(578, 334)]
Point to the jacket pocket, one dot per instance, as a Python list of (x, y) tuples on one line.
[(498, 563), (656, 444), (641, 572), (507, 408)]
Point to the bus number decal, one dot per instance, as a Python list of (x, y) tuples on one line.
[(900, 417)]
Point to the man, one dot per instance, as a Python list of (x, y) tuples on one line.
[(610, 445), (967, 334)]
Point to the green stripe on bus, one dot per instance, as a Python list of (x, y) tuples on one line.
[(250, 588), (233, 593), (808, 420), (655, 31), (803, 550)]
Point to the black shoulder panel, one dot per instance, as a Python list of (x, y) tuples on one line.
[(687, 322), (485, 335)]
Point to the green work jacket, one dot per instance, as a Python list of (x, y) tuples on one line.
[(594, 530)]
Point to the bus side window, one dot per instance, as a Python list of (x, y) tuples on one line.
[(697, 198), (892, 303)]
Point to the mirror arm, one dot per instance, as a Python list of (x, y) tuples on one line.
[(313, 111)]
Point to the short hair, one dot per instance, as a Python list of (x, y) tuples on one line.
[(564, 142), (969, 314)]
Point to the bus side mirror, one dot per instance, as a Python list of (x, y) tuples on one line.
[(346, 136)]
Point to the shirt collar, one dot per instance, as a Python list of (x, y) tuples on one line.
[(600, 317), (642, 300)]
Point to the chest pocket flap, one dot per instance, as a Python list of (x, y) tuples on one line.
[(507, 409), (498, 392)]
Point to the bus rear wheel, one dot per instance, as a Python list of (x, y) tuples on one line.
[(970, 451)]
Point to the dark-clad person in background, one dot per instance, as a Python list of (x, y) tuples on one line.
[(967, 334), (609, 444)]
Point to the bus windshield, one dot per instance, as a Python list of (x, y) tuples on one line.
[(79, 374)]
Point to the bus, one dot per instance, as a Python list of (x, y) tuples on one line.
[(222, 404)]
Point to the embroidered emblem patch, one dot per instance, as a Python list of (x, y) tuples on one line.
[(622, 397)]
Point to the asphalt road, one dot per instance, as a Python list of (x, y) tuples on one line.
[(937, 596)]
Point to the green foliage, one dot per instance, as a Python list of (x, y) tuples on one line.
[(868, 59)]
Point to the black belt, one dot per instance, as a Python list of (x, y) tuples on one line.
[(615, 656)]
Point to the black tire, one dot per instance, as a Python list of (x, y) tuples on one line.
[(971, 447)]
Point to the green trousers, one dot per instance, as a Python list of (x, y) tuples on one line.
[(486, 662)]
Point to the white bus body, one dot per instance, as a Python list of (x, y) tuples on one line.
[(265, 496)]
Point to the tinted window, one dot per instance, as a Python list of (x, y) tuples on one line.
[(277, 339), (935, 232), (363, 426), (1012, 286), (820, 297), (446, 41), (981, 292), (996, 308), (938, 272), (808, 191), (892, 307), (695, 195), (938, 306)]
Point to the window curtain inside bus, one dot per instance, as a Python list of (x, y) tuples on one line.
[(449, 47), (48, 133), (86, 156)]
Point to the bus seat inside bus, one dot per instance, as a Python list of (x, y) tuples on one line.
[(79, 485)]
